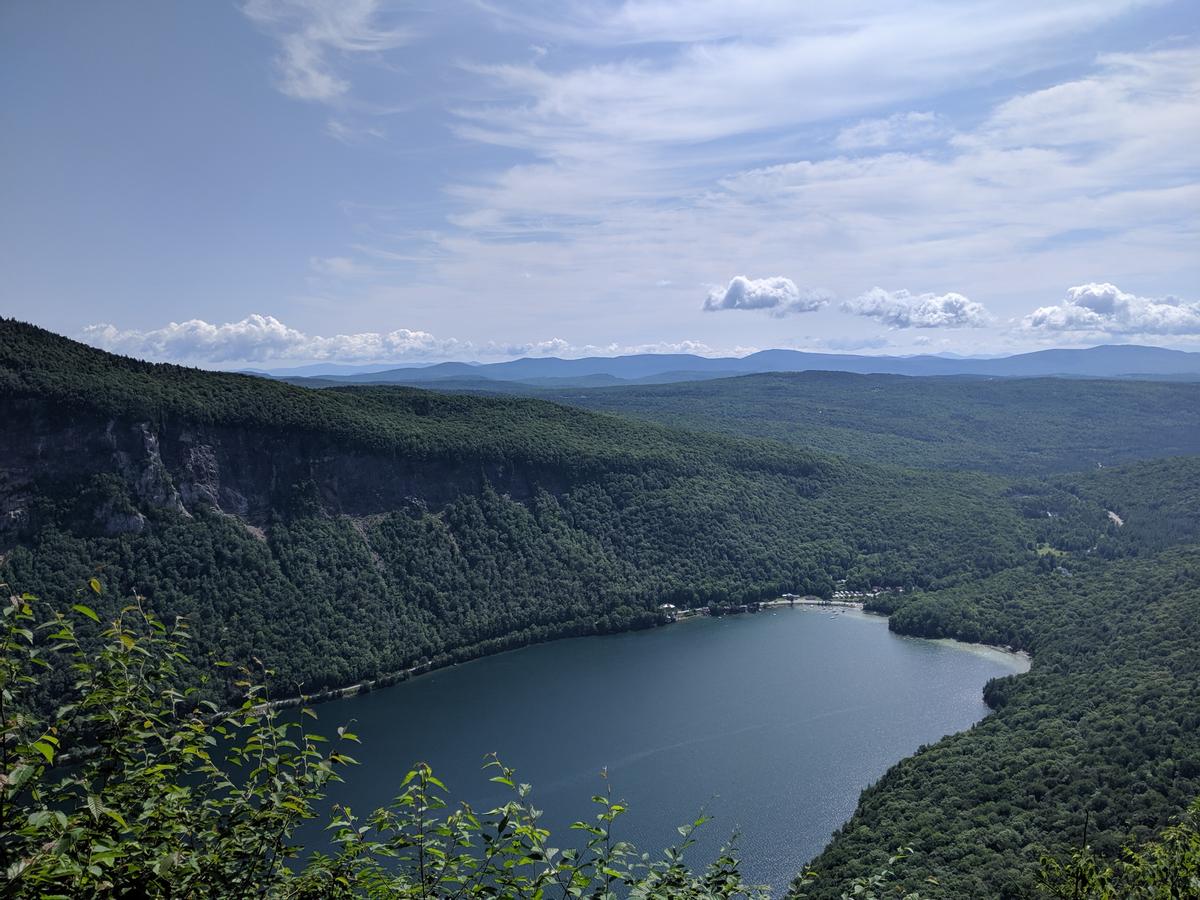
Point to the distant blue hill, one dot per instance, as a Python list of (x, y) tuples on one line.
[(1108, 361)]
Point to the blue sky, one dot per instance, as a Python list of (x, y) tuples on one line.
[(282, 181)]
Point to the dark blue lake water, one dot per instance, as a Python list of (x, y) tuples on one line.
[(770, 723)]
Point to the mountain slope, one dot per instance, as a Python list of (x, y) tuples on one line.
[(1001, 425), (347, 534), (341, 534)]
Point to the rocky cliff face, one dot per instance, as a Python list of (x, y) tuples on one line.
[(249, 473)]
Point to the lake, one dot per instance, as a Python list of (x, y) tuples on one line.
[(770, 723)]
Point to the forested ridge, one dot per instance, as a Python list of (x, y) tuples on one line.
[(346, 534), (350, 534), (1013, 426), (407, 422)]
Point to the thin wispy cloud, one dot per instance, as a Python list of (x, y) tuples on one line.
[(1003, 205), (899, 130), (737, 72), (341, 267), (316, 36), (585, 171), (351, 134)]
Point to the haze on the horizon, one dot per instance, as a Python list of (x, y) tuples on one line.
[(275, 182)]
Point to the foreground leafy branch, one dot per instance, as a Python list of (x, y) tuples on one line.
[(1164, 869), (166, 795)]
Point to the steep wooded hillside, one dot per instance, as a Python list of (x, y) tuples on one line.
[(1099, 743), (345, 534)]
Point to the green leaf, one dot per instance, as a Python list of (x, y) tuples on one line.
[(19, 776), (86, 610), (94, 584)]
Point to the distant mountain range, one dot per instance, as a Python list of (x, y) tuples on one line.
[(1108, 361)]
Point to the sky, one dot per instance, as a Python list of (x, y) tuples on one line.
[(288, 181)]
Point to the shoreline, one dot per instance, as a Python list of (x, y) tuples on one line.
[(674, 617), (1025, 657)]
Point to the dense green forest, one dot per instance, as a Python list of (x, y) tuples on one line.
[(509, 521), (403, 422), (1103, 734), (1100, 741), (1008, 425), (349, 534)]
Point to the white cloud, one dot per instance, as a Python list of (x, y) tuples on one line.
[(778, 295), (1097, 173), (842, 344), (900, 309), (314, 35), (1106, 309), (731, 72), (899, 130), (259, 338), (654, 149), (551, 347)]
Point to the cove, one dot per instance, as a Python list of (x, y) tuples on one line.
[(772, 724)]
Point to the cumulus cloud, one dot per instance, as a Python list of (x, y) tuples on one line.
[(1106, 309), (779, 296), (551, 347), (900, 309), (1095, 174), (313, 34), (257, 338)]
